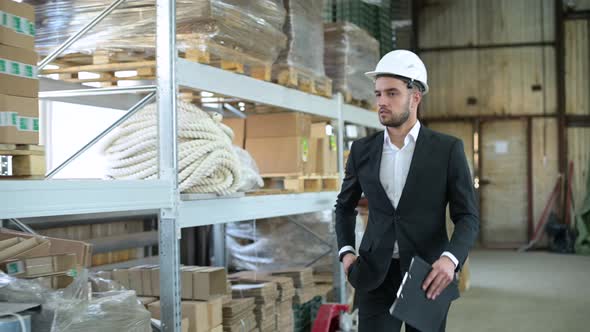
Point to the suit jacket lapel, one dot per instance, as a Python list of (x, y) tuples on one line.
[(419, 159), (375, 162)]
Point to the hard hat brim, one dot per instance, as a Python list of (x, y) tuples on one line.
[(373, 74)]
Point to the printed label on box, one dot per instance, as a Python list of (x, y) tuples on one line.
[(15, 267), (305, 149), (18, 24), (26, 123), (333, 145), (8, 119), (18, 69)]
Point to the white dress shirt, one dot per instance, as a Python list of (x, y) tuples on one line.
[(393, 172)]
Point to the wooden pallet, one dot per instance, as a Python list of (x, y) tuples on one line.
[(28, 161), (303, 80), (300, 183), (107, 63), (362, 103)]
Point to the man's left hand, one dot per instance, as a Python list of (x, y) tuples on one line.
[(443, 272)]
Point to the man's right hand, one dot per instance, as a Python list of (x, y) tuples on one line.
[(347, 261)]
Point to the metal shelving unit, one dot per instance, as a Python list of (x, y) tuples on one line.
[(20, 199)]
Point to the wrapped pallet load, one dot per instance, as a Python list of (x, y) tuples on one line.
[(349, 53), (210, 30), (301, 64)]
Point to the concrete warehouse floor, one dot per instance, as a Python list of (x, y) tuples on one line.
[(524, 292)]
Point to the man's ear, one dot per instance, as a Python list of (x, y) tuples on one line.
[(417, 97)]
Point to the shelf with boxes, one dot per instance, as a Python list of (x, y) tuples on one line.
[(19, 88), (45, 198)]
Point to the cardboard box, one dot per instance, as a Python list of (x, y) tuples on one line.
[(197, 314), (215, 311), (325, 154), (19, 120), (18, 72), (209, 282), (286, 124), (40, 266), (122, 277), (279, 155), (239, 128), (32, 246), (194, 311), (186, 281), (135, 281), (55, 282), (20, 28), (155, 281), (56, 246), (146, 281), (146, 300)]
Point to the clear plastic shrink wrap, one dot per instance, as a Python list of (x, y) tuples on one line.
[(76, 308), (350, 52), (278, 243), (229, 29), (305, 46)]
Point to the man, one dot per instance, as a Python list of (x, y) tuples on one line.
[(408, 174)]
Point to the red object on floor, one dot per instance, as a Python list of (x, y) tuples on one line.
[(328, 318)]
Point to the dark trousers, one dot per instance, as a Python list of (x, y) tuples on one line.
[(374, 305)]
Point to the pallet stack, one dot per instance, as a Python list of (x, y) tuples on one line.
[(265, 295), (238, 315), (19, 89), (301, 64), (302, 280), (203, 291), (284, 303)]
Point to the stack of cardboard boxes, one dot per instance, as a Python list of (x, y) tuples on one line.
[(284, 303), (287, 143), (303, 281), (19, 86), (265, 295), (202, 291), (52, 262), (238, 315)]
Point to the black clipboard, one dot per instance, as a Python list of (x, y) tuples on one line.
[(413, 307)]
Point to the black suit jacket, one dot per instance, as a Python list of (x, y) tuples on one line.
[(438, 175)]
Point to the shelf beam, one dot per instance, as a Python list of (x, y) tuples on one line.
[(220, 210), (207, 78), (26, 198)]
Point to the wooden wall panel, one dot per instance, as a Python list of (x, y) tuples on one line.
[(509, 21), (452, 78), (545, 163), (504, 221), (447, 23), (577, 66), (444, 23), (501, 81), (579, 153), (507, 78)]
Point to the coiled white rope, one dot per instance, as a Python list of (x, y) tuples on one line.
[(207, 162)]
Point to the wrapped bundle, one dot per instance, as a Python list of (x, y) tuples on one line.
[(224, 28), (303, 27), (349, 53)]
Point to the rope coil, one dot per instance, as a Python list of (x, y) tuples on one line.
[(207, 163)]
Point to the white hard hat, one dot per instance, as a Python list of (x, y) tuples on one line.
[(402, 63)]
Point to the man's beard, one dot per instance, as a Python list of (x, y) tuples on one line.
[(398, 120)]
